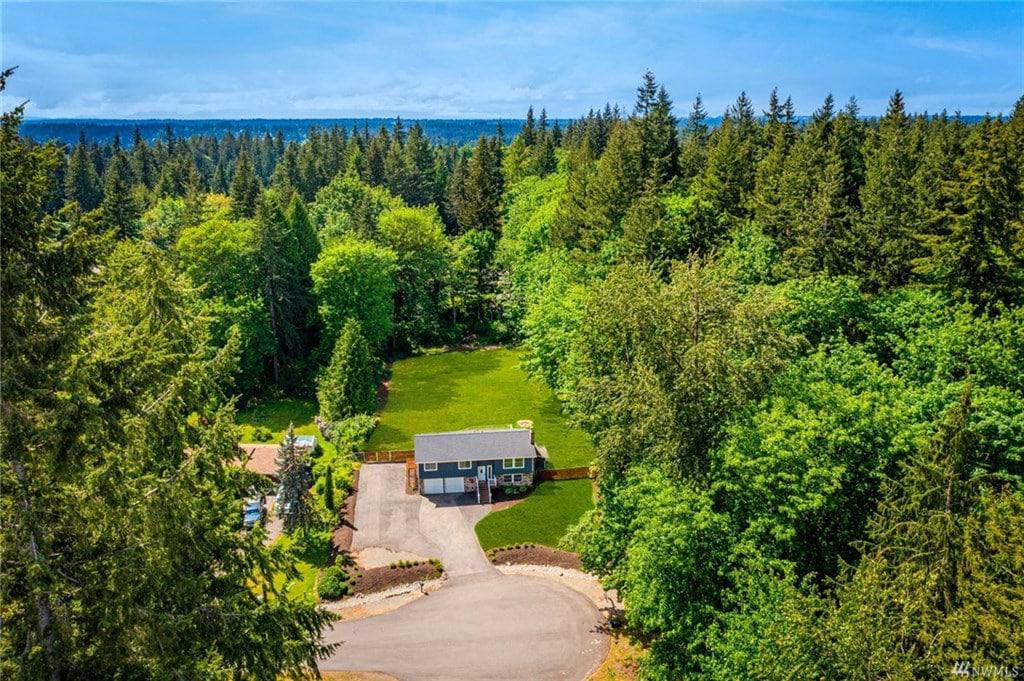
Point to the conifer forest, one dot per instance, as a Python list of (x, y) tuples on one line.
[(795, 342)]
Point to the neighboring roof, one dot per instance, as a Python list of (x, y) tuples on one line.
[(475, 445), (305, 441), (261, 459)]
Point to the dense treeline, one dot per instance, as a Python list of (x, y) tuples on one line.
[(798, 347), (800, 352)]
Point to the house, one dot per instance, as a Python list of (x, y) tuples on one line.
[(475, 461), (262, 458)]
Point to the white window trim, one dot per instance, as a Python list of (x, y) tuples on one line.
[(429, 467), (511, 463), (513, 477), (467, 467)]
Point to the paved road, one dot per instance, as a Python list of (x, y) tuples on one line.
[(486, 626), (481, 624), (439, 526)]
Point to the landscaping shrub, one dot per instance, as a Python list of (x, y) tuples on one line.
[(262, 434), (334, 584)]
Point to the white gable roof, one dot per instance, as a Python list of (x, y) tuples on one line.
[(474, 445)]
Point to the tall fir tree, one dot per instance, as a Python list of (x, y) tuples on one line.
[(120, 211), (245, 188), (885, 228), (693, 149), (81, 180), (348, 385), (980, 257), (294, 504)]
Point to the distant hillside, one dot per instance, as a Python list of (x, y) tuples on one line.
[(103, 130), (455, 131)]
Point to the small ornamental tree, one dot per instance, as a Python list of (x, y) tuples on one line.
[(296, 479), (329, 488)]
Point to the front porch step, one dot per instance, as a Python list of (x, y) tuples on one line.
[(484, 492)]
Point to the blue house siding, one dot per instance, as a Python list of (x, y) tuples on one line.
[(451, 469)]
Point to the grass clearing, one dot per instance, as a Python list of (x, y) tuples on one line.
[(308, 561), (541, 518), (457, 390), (275, 415)]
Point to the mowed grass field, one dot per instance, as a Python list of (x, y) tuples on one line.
[(275, 415), (457, 390), (542, 518)]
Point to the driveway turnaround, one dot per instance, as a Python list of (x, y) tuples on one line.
[(484, 626), (439, 526), (481, 624)]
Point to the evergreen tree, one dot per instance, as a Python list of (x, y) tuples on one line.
[(419, 165), (478, 205), (884, 231), (348, 385), (658, 146), (976, 257), (303, 232), (81, 181), (245, 188), (295, 475), (768, 201), (376, 151), (280, 278), (120, 211), (396, 172), (142, 162), (618, 181), (529, 131), (570, 219), (117, 330), (937, 584), (693, 151), (329, 488)]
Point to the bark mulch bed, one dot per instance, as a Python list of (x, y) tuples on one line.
[(380, 579), (341, 539), (534, 554)]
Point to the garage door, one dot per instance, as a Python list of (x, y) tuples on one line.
[(433, 485), (454, 485)]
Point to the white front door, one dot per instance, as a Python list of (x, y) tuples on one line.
[(481, 472)]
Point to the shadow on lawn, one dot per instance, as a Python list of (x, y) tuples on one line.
[(277, 414)]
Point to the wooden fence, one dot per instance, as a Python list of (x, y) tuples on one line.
[(564, 473), (396, 456)]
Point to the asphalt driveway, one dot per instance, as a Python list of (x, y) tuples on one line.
[(438, 526), (483, 626)]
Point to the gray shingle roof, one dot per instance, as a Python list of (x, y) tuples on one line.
[(474, 445)]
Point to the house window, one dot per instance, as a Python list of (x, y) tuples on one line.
[(465, 465), (428, 467), (513, 463), (516, 478)]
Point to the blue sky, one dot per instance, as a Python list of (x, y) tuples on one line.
[(284, 60)]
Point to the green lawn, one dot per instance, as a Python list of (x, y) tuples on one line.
[(457, 390), (542, 518), (308, 562), (276, 415)]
